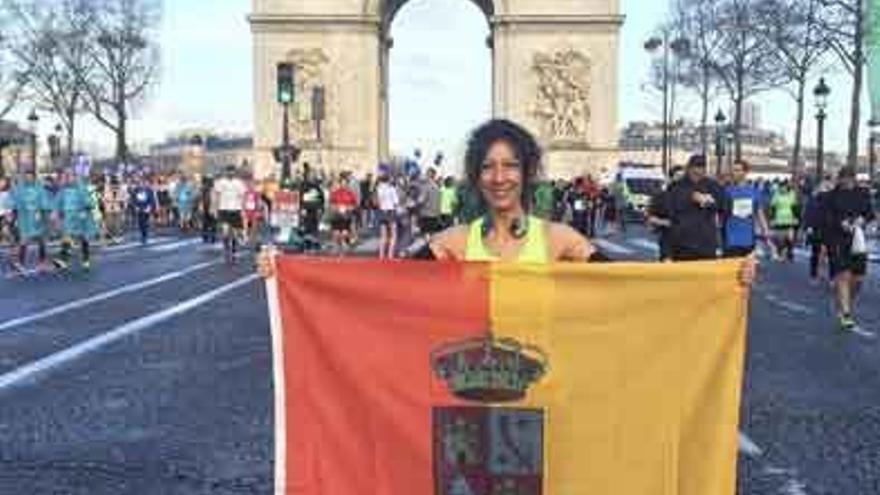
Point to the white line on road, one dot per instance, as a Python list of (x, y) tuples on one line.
[(748, 447), (164, 248), (79, 303), (612, 247), (43, 365), (861, 332), (134, 244), (789, 305)]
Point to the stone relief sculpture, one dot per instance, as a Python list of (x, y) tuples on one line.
[(563, 91), (309, 66)]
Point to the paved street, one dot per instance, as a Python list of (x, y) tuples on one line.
[(151, 375)]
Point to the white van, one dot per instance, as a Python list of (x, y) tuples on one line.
[(640, 184)]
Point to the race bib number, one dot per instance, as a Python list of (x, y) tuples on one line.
[(250, 205), (743, 208), (142, 197), (579, 205)]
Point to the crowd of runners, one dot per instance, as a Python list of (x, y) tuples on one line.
[(695, 216), (700, 217)]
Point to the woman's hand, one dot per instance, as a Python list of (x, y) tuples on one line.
[(748, 272), (266, 262)]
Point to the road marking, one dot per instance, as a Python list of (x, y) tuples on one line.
[(863, 333), (79, 303), (746, 446), (645, 244), (612, 247), (164, 248), (134, 244), (41, 366), (788, 305)]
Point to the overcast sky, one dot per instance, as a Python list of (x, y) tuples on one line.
[(440, 76)]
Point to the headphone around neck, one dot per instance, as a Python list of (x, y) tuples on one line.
[(519, 227)]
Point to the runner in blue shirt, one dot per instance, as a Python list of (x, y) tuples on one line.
[(744, 207), (144, 200)]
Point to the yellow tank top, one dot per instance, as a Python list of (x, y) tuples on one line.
[(533, 251)]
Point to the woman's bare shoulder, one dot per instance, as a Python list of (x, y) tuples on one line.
[(451, 243)]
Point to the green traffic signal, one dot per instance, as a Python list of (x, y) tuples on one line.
[(285, 76)]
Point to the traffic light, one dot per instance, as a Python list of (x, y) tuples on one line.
[(318, 103), (292, 153), (285, 83)]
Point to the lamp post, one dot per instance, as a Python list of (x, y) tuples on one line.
[(33, 120), (55, 146), (679, 47), (720, 118), (730, 134), (872, 150), (821, 92), (285, 80)]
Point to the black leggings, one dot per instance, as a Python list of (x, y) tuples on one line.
[(143, 219), (84, 245)]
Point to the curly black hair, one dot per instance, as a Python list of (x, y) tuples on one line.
[(524, 145)]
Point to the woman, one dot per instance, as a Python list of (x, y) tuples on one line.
[(388, 201), (502, 163), (343, 204), (253, 212)]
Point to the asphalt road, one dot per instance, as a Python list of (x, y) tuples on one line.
[(152, 375)]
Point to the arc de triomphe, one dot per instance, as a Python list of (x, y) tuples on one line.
[(554, 70)]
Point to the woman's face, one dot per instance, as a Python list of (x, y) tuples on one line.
[(501, 178)]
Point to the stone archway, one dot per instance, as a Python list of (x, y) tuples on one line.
[(554, 70)]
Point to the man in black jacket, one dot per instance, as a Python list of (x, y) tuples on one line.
[(693, 206)]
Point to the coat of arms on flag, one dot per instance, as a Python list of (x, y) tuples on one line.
[(488, 450), (387, 382)]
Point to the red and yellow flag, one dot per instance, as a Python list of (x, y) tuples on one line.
[(494, 379)]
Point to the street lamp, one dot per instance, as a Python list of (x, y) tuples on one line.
[(720, 119), (679, 47), (33, 120), (730, 134), (821, 92), (872, 150)]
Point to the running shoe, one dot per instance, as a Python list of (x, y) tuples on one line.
[(17, 267), (847, 323), (87, 265), (60, 264)]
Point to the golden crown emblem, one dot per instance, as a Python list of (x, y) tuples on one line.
[(489, 369)]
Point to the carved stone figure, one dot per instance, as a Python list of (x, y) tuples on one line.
[(562, 103)]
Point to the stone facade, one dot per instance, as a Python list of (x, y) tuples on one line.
[(554, 71)]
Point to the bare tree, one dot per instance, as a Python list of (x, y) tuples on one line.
[(52, 39), (794, 28), (125, 59), (745, 63), (696, 21), (845, 26), (14, 73)]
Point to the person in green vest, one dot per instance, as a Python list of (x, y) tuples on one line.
[(74, 206), (784, 214), (448, 202), (543, 200), (32, 205)]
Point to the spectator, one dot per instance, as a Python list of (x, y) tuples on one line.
[(693, 205)]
